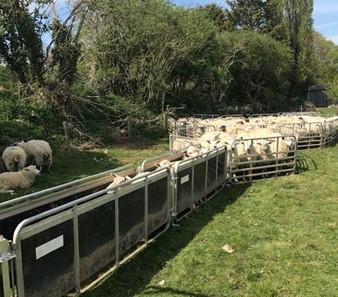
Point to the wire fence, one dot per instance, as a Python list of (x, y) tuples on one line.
[(68, 132)]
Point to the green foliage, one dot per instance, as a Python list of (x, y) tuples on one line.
[(247, 14), (20, 119), (65, 53), (259, 73), (7, 78), (217, 15), (136, 45), (326, 59), (20, 40)]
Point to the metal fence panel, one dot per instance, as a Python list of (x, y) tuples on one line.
[(184, 188), (131, 219), (96, 239), (222, 167), (47, 262), (158, 204), (212, 174), (200, 181), (252, 166)]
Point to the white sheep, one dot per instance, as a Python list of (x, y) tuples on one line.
[(118, 179), (164, 164), (191, 152), (14, 158), (24, 179), (40, 151)]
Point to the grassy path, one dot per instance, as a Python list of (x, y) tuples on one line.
[(284, 231)]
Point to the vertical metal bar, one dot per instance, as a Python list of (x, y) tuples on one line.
[(277, 156), (206, 177), (6, 285), (76, 251), (169, 195), (12, 277), (251, 167), (146, 210), (19, 270), (217, 183), (117, 232), (192, 184)]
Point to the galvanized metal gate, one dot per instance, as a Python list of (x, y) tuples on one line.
[(60, 250), (250, 166), (196, 179)]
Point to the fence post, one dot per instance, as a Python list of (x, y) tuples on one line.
[(129, 123), (5, 257), (65, 129)]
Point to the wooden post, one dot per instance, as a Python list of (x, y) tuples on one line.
[(65, 129), (129, 127)]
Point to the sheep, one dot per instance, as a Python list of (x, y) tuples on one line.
[(40, 151), (24, 179), (191, 152), (14, 158), (118, 179), (164, 164)]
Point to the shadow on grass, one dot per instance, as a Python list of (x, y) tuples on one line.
[(160, 290), (134, 277), (305, 163)]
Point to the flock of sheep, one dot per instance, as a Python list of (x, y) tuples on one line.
[(23, 162), (201, 135)]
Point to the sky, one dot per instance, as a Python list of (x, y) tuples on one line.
[(325, 15)]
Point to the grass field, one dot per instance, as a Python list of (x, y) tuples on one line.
[(75, 163), (284, 232), (332, 111)]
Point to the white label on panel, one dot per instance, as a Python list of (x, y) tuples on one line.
[(49, 247), (184, 179)]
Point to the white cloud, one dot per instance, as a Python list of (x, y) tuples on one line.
[(333, 38)]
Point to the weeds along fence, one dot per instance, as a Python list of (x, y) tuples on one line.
[(65, 239), (98, 131)]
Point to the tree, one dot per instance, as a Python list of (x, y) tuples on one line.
[(298, 21), (260, 72), (20, 40), (247, 14), (217, 15), (133, 47), (326, 61)]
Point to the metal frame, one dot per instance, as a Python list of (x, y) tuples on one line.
[(32, 201), (312, 138), (192, 163), (72, 210), (252, 170)]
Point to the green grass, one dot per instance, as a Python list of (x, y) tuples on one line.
[(284, 231), (75, 163), (332, 111)]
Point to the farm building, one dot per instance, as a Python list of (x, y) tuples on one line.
[(317, 96)]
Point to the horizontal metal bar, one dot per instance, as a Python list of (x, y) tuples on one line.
[(235, 163), (263, 167), (262, 174)]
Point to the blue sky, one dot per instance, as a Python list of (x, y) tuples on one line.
[(325, 15)]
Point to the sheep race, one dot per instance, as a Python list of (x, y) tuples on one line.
[(206, 154)]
